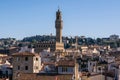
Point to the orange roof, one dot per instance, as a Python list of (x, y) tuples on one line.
[(69, 63), (34, 76), (24, 54)]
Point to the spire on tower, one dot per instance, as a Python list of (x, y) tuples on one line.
[(59, 9), (58, 14)]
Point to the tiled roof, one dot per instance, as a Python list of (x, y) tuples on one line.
[(34, 76), (24, 54), (49, 63), (70, 63), (116, 54), (110, 73)]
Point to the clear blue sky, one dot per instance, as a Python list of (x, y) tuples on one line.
[(91, 18)]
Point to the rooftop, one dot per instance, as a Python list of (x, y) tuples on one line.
[(44, 76), (24, 54), (70, 63)]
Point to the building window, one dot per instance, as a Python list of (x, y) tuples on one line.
[(26, 67), (18, 58), (99, 68), (6, 72), (36, 59), (36, 67), (18, 67), (90, 64), (26, 58), (64, 69)]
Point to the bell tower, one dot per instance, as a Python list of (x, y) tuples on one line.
[(58, 26)]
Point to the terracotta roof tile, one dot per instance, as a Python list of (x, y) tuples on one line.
[(66, 63), (24, 54), (45, 77)]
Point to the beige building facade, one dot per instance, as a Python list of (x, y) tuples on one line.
[(25, 62)]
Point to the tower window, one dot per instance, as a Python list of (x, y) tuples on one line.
[(57, 16), (26, 58), (26, 67)]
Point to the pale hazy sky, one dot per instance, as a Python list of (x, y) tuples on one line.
[(91, 18)]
